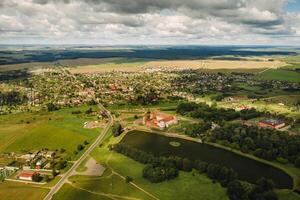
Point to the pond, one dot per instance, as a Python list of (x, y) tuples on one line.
[(248, 169)]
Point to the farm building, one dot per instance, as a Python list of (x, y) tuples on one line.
[(159, 120), (27, 176), (271, 123)]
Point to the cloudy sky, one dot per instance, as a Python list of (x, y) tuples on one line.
[(113, 22)]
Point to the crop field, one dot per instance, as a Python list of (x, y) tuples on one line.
[(126, 65), (280, 75), (33, 131), (140, 65), (217, 64), (14, 191)]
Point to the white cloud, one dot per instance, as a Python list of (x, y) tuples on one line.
[(144, 21)]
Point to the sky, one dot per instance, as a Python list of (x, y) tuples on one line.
[(150, 22)]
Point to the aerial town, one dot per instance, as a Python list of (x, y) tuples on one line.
[(149, 100)]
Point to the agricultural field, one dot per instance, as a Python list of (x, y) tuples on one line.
[(14, 190), (135, 65), (24, 132), (280, 75)]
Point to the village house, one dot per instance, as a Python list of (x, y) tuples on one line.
[(159, 120), (50, 154), (271, 123), (27, 176)]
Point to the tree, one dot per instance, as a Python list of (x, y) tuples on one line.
[(36, 177), (128, 179), (264, 184), (297, 162), (51, 107), (236, 191), (80, 147), (116, 129), (46, 178), (186, 165), (89, 111), (61, 164), (54, 172)]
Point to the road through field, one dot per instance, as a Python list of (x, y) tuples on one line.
[(69, 173)]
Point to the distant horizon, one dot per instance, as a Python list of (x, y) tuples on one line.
[(148, 45)]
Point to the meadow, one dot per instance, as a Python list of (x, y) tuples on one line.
[(24, 132)]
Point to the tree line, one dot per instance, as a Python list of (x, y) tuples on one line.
[(264, 143), (210, 113), (159, 169), (12, 98)]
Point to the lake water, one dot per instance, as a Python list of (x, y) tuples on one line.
[(248, 169)]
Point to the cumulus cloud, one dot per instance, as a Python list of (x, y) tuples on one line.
[(144, 21)]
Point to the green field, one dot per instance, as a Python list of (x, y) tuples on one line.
[(16, 191), (32, 131), (280, 75), (288, 195)]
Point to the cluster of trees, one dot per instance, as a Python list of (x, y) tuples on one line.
[(208, 113), (156, 174), (196, 129), (12, 98), (222, 174), (159, 169), (117, 129), (59, 165), (51, 107), (262, 190), (13, 74), (250, 114), (36, 177), (264, 143), (80, 147)]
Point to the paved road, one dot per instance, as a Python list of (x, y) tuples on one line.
[(65, 176)]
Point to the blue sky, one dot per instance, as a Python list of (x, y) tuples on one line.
[(293, 6)]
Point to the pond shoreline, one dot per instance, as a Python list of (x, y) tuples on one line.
[(291, 175)]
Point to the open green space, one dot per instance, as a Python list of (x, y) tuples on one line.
[(53, 130)]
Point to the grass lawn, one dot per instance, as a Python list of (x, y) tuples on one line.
[(14, 191), (33, 131), (281, 75)]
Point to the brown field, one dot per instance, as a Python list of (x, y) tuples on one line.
[(100, 65), (217, 64), (179, 65)]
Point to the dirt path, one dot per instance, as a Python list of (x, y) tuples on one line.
[(121, 176), (111, 196)]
